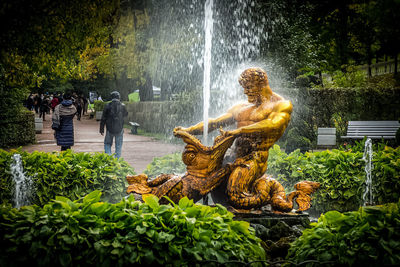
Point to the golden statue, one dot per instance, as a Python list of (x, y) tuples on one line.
[(204, 172), (260, 123)]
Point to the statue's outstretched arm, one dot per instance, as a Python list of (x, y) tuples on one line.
[(224, 120), (276, 120)]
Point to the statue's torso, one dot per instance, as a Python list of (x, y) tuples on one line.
[(260, 140), (249, 114)]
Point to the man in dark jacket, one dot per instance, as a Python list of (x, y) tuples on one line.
[(63, 123), (113, 118)]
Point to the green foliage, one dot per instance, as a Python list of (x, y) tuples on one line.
[(133, 97), (295, 140), (66, 174), (86, 232), (18, 129), (352, 78), (386, 174), (367, 237), (171, 163), (384, 81), (49, 39), (341, 174), (99, 105)]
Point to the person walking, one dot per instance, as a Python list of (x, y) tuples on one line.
[(30, 102), (63, 122), (44, 107), (54, 103), (113, 118), (85, 105), (37, 102), (79, 106)]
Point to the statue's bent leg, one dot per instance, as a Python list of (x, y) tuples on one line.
[(242, 189)]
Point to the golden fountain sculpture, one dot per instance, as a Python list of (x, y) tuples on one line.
[(260, 123)]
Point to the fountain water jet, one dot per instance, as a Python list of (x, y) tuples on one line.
[(23, 184), (367, 157), (208, 28)]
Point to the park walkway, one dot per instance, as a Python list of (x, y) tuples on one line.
[(137, 150)]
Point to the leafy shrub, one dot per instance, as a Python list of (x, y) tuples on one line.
[(341, 174), (99, 105), (17, 129), (350, 79), (386, 174), (91, 233), (67, 174), (367, 237), (171, 163)]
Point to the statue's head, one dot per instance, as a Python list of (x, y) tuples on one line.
[(255, 84)]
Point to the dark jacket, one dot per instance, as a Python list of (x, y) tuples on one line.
[(113, 117), (65, 113), (44, 106)]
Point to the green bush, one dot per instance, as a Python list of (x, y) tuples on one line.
[(386, 174), (341, 174), (171, 163), (352, 78), (66, 174), (99, 105), (367, 237), (92, 233), (17, 129)]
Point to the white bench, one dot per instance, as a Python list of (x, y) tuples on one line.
[(372, 129), (326, 137)]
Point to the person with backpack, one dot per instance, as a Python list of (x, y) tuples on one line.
[(113, 118), (63, 123)]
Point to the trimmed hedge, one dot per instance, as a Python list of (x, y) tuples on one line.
[(18, 129), (67, 174)]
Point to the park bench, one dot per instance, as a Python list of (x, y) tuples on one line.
[(326, 137), (372, 129)]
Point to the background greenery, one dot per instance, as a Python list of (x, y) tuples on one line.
[(67, 174), (51, 46)]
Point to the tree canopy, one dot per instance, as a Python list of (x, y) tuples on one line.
[(135, 43)]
